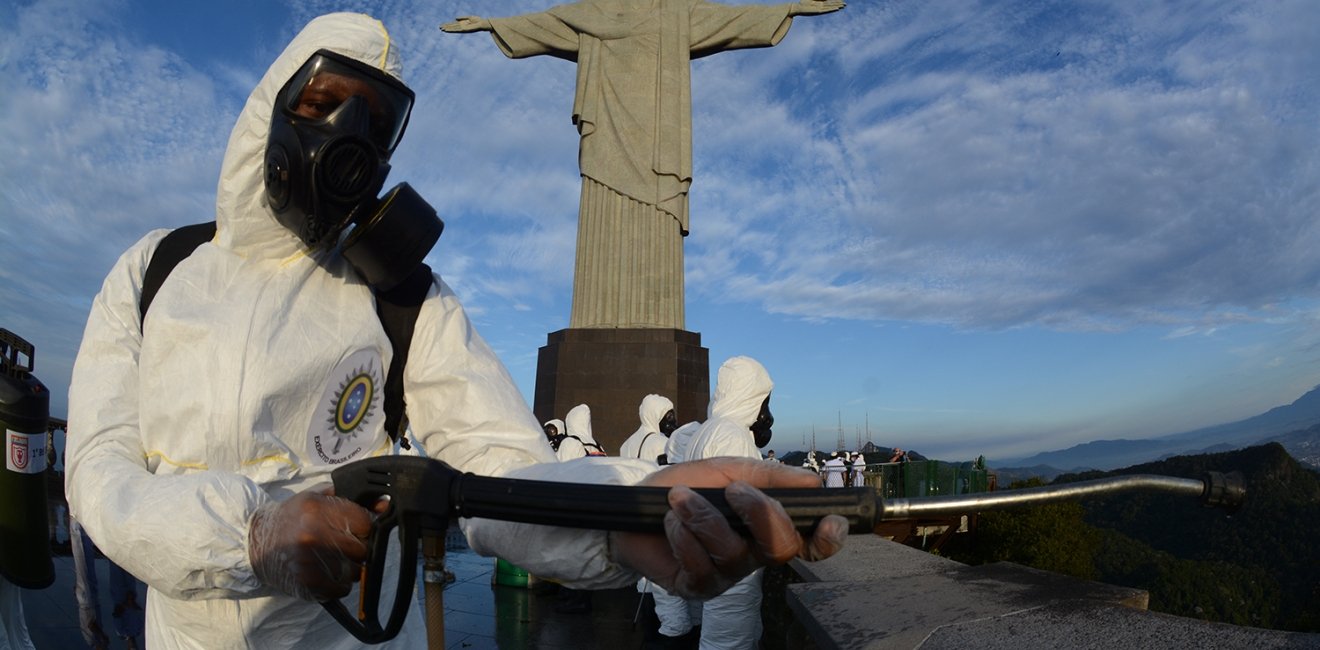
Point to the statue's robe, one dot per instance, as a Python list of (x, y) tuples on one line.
[(633, 111)]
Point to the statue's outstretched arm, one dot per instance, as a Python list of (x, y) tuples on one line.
[(805, 7), (467, 24)]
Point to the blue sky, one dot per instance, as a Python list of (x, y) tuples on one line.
[(965, 227)]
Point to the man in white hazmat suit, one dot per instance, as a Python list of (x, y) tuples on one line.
[(554, 432), (858, 469), (576, 443), (201, 439), (579, 441), (834, 471), (739, 423), (658, 421)]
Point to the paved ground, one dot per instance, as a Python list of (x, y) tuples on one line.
[(52, 613), (481, 615)]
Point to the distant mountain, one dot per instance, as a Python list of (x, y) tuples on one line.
[(1302, 413), (1294, 426), (1006, 476)]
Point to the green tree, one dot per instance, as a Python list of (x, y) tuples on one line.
[(1051, 537), (1207, 590)]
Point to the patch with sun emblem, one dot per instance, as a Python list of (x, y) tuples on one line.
[(349, 413)]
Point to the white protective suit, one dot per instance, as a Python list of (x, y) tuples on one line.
[(731, 620), (834, 470), (579, 442), (677, 448), (811, 463), (647, 442), (180, 431)]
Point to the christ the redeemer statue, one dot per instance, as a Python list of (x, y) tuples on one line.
[(633, 111)]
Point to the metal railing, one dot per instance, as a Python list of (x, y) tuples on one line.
[(926, 478)]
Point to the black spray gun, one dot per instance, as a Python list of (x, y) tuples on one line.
[(424, 494)]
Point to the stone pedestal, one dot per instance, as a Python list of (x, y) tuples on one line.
[(611, 370)]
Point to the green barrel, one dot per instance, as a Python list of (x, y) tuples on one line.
[(509, 575), (24, 414)]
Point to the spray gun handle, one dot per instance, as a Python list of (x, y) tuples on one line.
[(424, 494), (418, 491)]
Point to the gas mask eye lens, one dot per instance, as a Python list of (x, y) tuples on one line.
[(327, 81), (315, 105)]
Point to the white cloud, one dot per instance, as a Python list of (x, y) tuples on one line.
[(1148, 174), (105, 140)]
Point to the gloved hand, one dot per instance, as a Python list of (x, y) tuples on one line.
[(700, 555), (311, 546)]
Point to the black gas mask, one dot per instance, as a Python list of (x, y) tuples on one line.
[(334, 126), (761, 427), (668, 423)]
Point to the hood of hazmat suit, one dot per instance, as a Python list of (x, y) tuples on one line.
[(259, 369), (741, 385), (647, 442), (578, 422)]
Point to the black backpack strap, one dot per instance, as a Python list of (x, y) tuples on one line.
[(643, 443), (171, 250), (398, 309), (585, 445)]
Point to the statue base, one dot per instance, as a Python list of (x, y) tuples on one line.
[(611, 370)]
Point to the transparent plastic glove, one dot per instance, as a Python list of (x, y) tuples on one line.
[(311, 546), (700, 555)]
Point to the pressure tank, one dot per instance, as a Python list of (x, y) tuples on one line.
[(24, 414)]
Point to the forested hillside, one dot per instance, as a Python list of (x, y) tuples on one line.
[(1259, 566)]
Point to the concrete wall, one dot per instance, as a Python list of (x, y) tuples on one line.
[(880, 594)]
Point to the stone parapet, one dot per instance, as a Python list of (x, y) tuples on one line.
[(877, 594)]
